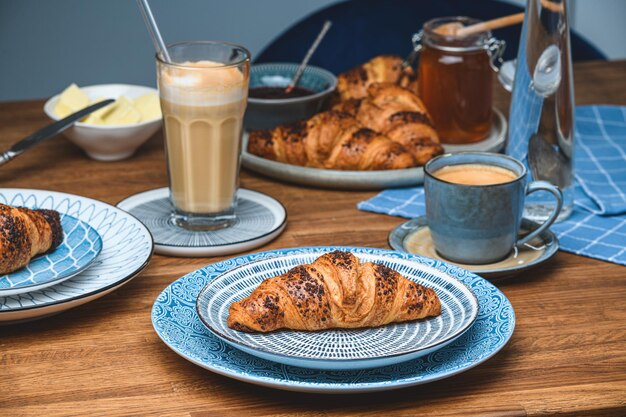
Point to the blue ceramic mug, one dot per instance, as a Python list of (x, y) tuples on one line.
[(480, 224)]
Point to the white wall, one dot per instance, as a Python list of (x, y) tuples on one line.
[(47, 44)]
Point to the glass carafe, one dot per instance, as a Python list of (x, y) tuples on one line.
[(541, 122)]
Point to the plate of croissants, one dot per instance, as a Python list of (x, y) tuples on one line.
[(337, 310), (42, 247), (376, 134)]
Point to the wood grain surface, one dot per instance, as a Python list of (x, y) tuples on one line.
[(567, 356)]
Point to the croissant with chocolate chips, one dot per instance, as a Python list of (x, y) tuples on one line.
[(398, 114), (353, 84), (332, 140), (335, 291), (389, 129), (25, 233)]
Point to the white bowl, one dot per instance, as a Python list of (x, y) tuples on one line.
[(108, 143)]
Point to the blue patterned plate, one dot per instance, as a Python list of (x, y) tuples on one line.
[(177, 324), (80, 247), (126, 249), (340, 349)]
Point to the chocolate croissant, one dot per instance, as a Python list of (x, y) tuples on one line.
[(332, 140), (353, 84), (335, 291), (25, 233), (399, 114)]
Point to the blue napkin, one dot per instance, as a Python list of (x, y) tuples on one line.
[(597, 227), (600, 160)]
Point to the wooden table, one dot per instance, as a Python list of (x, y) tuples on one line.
[(567, 356)]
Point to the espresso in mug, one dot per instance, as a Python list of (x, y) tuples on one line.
[(475, 174), (474, 205)]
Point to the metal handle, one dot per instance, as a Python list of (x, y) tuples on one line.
[(495, 49), (416, 40), (556, 192)]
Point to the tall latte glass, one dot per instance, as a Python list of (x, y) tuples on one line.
[(203, 91)]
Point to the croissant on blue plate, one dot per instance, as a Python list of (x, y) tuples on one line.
[(334, 291), (25, 233)]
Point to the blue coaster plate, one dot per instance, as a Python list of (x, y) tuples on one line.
[(176, 322), (80, 247)]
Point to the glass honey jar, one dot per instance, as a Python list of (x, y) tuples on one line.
[(456, 79)]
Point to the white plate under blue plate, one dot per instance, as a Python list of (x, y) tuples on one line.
[(340, 349), (260, 218), (80, 247), (365, 180), (126, 249), (176, 322)]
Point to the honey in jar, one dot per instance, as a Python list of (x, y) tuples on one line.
[(456, 80)]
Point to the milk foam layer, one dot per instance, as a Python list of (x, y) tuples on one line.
[(201, 83)]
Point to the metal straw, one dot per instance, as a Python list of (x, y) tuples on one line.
[(153, 29), (307, 57)]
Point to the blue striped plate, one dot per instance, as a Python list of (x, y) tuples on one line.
[(340, 349), (126, 249)]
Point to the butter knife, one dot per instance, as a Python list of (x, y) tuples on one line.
[(49, 131)]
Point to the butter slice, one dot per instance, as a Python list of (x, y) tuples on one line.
[(122, 112), (149, 107), (71, 100), (96, 117), (61, 110)]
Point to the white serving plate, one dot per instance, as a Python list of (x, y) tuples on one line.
[(365, 180)]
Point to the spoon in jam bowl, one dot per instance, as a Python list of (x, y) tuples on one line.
[(307, 57)]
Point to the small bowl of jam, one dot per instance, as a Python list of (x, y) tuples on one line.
[(270, 105)]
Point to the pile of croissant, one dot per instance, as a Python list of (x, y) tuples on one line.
[(377, 123)]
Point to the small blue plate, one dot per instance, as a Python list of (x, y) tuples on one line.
[(80, 247), (176, 322)]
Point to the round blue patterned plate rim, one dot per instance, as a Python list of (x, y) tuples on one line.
[(72, 272), (279, 378), (332, 82), (115, 284), (398, 356), (259, 237)]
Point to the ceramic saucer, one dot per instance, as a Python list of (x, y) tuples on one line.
[(260, 218), (414, 237)]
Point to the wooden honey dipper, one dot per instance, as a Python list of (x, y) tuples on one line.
[(457, 29)]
